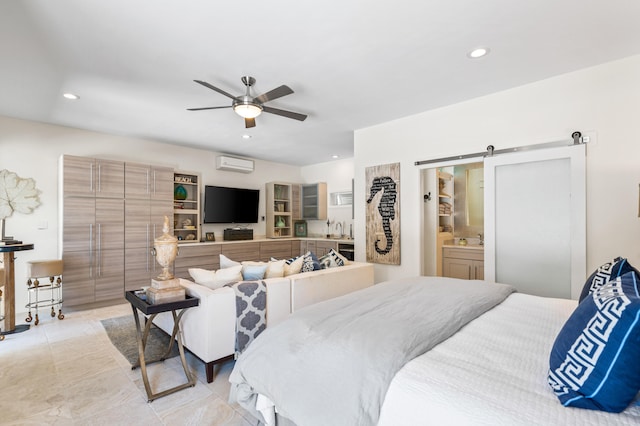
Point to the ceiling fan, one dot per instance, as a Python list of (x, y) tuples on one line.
[(250, 107)]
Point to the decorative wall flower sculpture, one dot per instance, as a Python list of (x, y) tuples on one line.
[(16, 194)]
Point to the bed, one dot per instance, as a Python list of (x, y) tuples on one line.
[(488, 365)]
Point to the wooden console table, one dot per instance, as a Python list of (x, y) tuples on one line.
[(9, 288)]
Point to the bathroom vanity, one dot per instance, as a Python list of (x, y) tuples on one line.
[(466, 262)]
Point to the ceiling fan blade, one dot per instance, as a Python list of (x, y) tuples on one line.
[(249, 122), (222, 92), (276, 93), (288, 114), (200, 109)]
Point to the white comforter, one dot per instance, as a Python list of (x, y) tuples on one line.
[(331, 363), (492, 372)]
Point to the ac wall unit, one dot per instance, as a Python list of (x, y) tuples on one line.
[(233, 164)]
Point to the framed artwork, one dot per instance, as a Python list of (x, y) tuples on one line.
[(300, 228), (383, 213), (210, 236)]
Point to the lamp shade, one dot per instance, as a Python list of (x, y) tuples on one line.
[(247, 110)]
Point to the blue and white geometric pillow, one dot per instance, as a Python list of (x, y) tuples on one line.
[(610, 270), (595, 360), (309, 263), (332, 260)]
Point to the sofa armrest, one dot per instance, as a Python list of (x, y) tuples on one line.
[(278, 300), (208, 330), (308, 288)]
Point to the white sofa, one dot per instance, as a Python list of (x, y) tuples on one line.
[(208, 330)]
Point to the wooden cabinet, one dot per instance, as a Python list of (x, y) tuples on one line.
[(275, 249), (279, 210), (314, 201), (92, 229), (146, 181), (93, 250), (144, 220), (323, 247), (242, 251), (467, 264), (148, 199), (186, 206), (205, 256), (91, 177)]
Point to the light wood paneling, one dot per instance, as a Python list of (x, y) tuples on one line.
[(79, 285), (109, 282), (275, 249), (242, 251)]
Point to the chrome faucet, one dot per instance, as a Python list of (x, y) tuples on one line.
[(481, 239)]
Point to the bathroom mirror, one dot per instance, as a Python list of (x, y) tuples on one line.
[(475, 197)]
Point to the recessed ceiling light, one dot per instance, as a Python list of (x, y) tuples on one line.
[(478, 53), (335, 156), (246, 136), (71, 96)]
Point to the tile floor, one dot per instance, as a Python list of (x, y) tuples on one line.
[(68, 373)]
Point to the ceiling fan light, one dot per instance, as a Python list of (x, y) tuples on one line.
[(247, 110)]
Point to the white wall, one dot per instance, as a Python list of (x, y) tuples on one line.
[(603, 101), (337, 175), (32, 150)]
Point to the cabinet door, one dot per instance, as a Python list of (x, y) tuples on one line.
[(275, 249), (478, 268), (457, 268), (78, 281), (161, 183), (138, 230), (137, 180), (109, 272), (79, 224), (109, 223), (138, 267), (324, 247), (314, 201), (160, 209), (312, 246), (242, 251), (78, 175), (109, 179), (205, 256)]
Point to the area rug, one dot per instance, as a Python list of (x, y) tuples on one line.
[(122, 333)]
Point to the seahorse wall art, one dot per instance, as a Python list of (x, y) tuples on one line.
[(383, 214)]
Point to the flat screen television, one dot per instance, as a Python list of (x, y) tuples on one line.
[(230, 205)]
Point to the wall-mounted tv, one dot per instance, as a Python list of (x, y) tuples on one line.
[(230, 205)]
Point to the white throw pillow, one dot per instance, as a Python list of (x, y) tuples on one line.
[(275, 269), (295, 267), (225, 262), (216, 279)]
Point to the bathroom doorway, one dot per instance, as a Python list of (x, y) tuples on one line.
[(454, 217), (533, 228)]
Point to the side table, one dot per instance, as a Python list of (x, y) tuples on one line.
[(9, 289), (150, 312)]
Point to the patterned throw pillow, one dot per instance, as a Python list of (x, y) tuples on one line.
[(332, 260), (610, 270), (305, 263), (594, 360)]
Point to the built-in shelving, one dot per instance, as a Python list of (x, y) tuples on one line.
[(186, 206), (279, 210)]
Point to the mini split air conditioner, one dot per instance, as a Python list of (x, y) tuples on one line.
[(233, 164)]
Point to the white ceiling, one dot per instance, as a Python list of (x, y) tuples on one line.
[(351, 63)]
